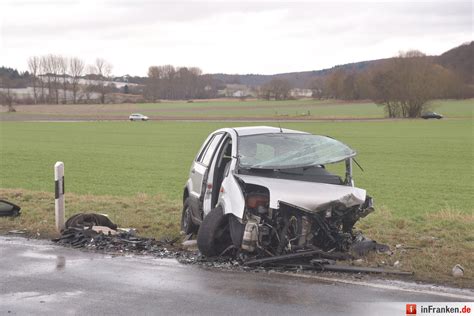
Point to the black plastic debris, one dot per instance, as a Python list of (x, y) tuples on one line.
[(362, 246), (88, 220), (302, 256), (120, 242), (9, 209), (85, 235)]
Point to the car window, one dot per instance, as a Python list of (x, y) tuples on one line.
[(206, 156), (204, 149), (280, 151)]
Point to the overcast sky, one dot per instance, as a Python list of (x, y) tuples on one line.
[(264, 37)]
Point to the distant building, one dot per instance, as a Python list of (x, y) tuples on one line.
[(301, 93), (237, 91)]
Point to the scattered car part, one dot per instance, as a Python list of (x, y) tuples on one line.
[(298, 256), (362, 246), (9, 209), (82, 220), (88, 238), (17, 231), (104, 230), (458, 271), (347, 268)]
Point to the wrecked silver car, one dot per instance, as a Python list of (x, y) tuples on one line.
[(265, 191)]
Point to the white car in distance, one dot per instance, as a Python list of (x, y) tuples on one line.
[(138, 117)]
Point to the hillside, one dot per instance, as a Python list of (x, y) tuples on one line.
[(460, 60), (296, 79)]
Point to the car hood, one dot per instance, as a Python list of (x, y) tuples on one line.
[(309, 195)]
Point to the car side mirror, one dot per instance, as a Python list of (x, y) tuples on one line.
[(9, 209)]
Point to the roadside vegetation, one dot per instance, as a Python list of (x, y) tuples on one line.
[(419, 172)]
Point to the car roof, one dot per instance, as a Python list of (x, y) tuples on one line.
[(256, 130)]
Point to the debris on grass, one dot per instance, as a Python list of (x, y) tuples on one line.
[(17, 231), (9, 209), (89, 220), (458, 271)]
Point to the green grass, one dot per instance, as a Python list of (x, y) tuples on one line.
[(292, 108), (410, 166)]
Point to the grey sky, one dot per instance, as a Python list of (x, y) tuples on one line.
[(231, 37)]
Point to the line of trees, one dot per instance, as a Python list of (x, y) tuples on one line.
[(278, 89), (56, 79), (403, 85), (178, 83)]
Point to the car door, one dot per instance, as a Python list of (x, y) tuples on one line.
[(216, 168), (201, 165)]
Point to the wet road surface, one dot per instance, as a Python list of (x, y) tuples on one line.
[(38, 277)]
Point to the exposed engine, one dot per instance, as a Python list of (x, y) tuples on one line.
[(273, 232)]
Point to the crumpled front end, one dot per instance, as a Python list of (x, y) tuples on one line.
[(285, 216)]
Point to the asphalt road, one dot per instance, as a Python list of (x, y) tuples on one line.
[(38, 277)]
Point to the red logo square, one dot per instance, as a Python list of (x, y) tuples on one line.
[(411, 309)]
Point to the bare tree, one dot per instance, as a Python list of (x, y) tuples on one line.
[(63, 66), (34, 68), (317, 87), (6, 96), (46, 74), (405, 85), (76, 69), (103, 71), (52, 69), (276, 88), (152, 89), (168, 82), (41, 76)]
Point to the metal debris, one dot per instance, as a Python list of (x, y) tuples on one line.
[(301, 256), (125, 241), (189, 244), (458, 271), (88, 220), (17, 231), (120, 242), (347, 268), (9, 209)]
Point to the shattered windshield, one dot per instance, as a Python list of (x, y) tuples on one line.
[(283, 150)]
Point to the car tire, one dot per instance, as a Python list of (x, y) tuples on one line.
[(187, 224), (213, 235)]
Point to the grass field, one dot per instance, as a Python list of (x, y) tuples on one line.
[(420, 173), (218, 110)]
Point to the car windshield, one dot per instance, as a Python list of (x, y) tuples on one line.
[(283, 150)]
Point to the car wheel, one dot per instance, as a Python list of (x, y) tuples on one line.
[(213, 236), (187, 224)]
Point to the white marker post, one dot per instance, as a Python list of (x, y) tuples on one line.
[(59, 194)]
